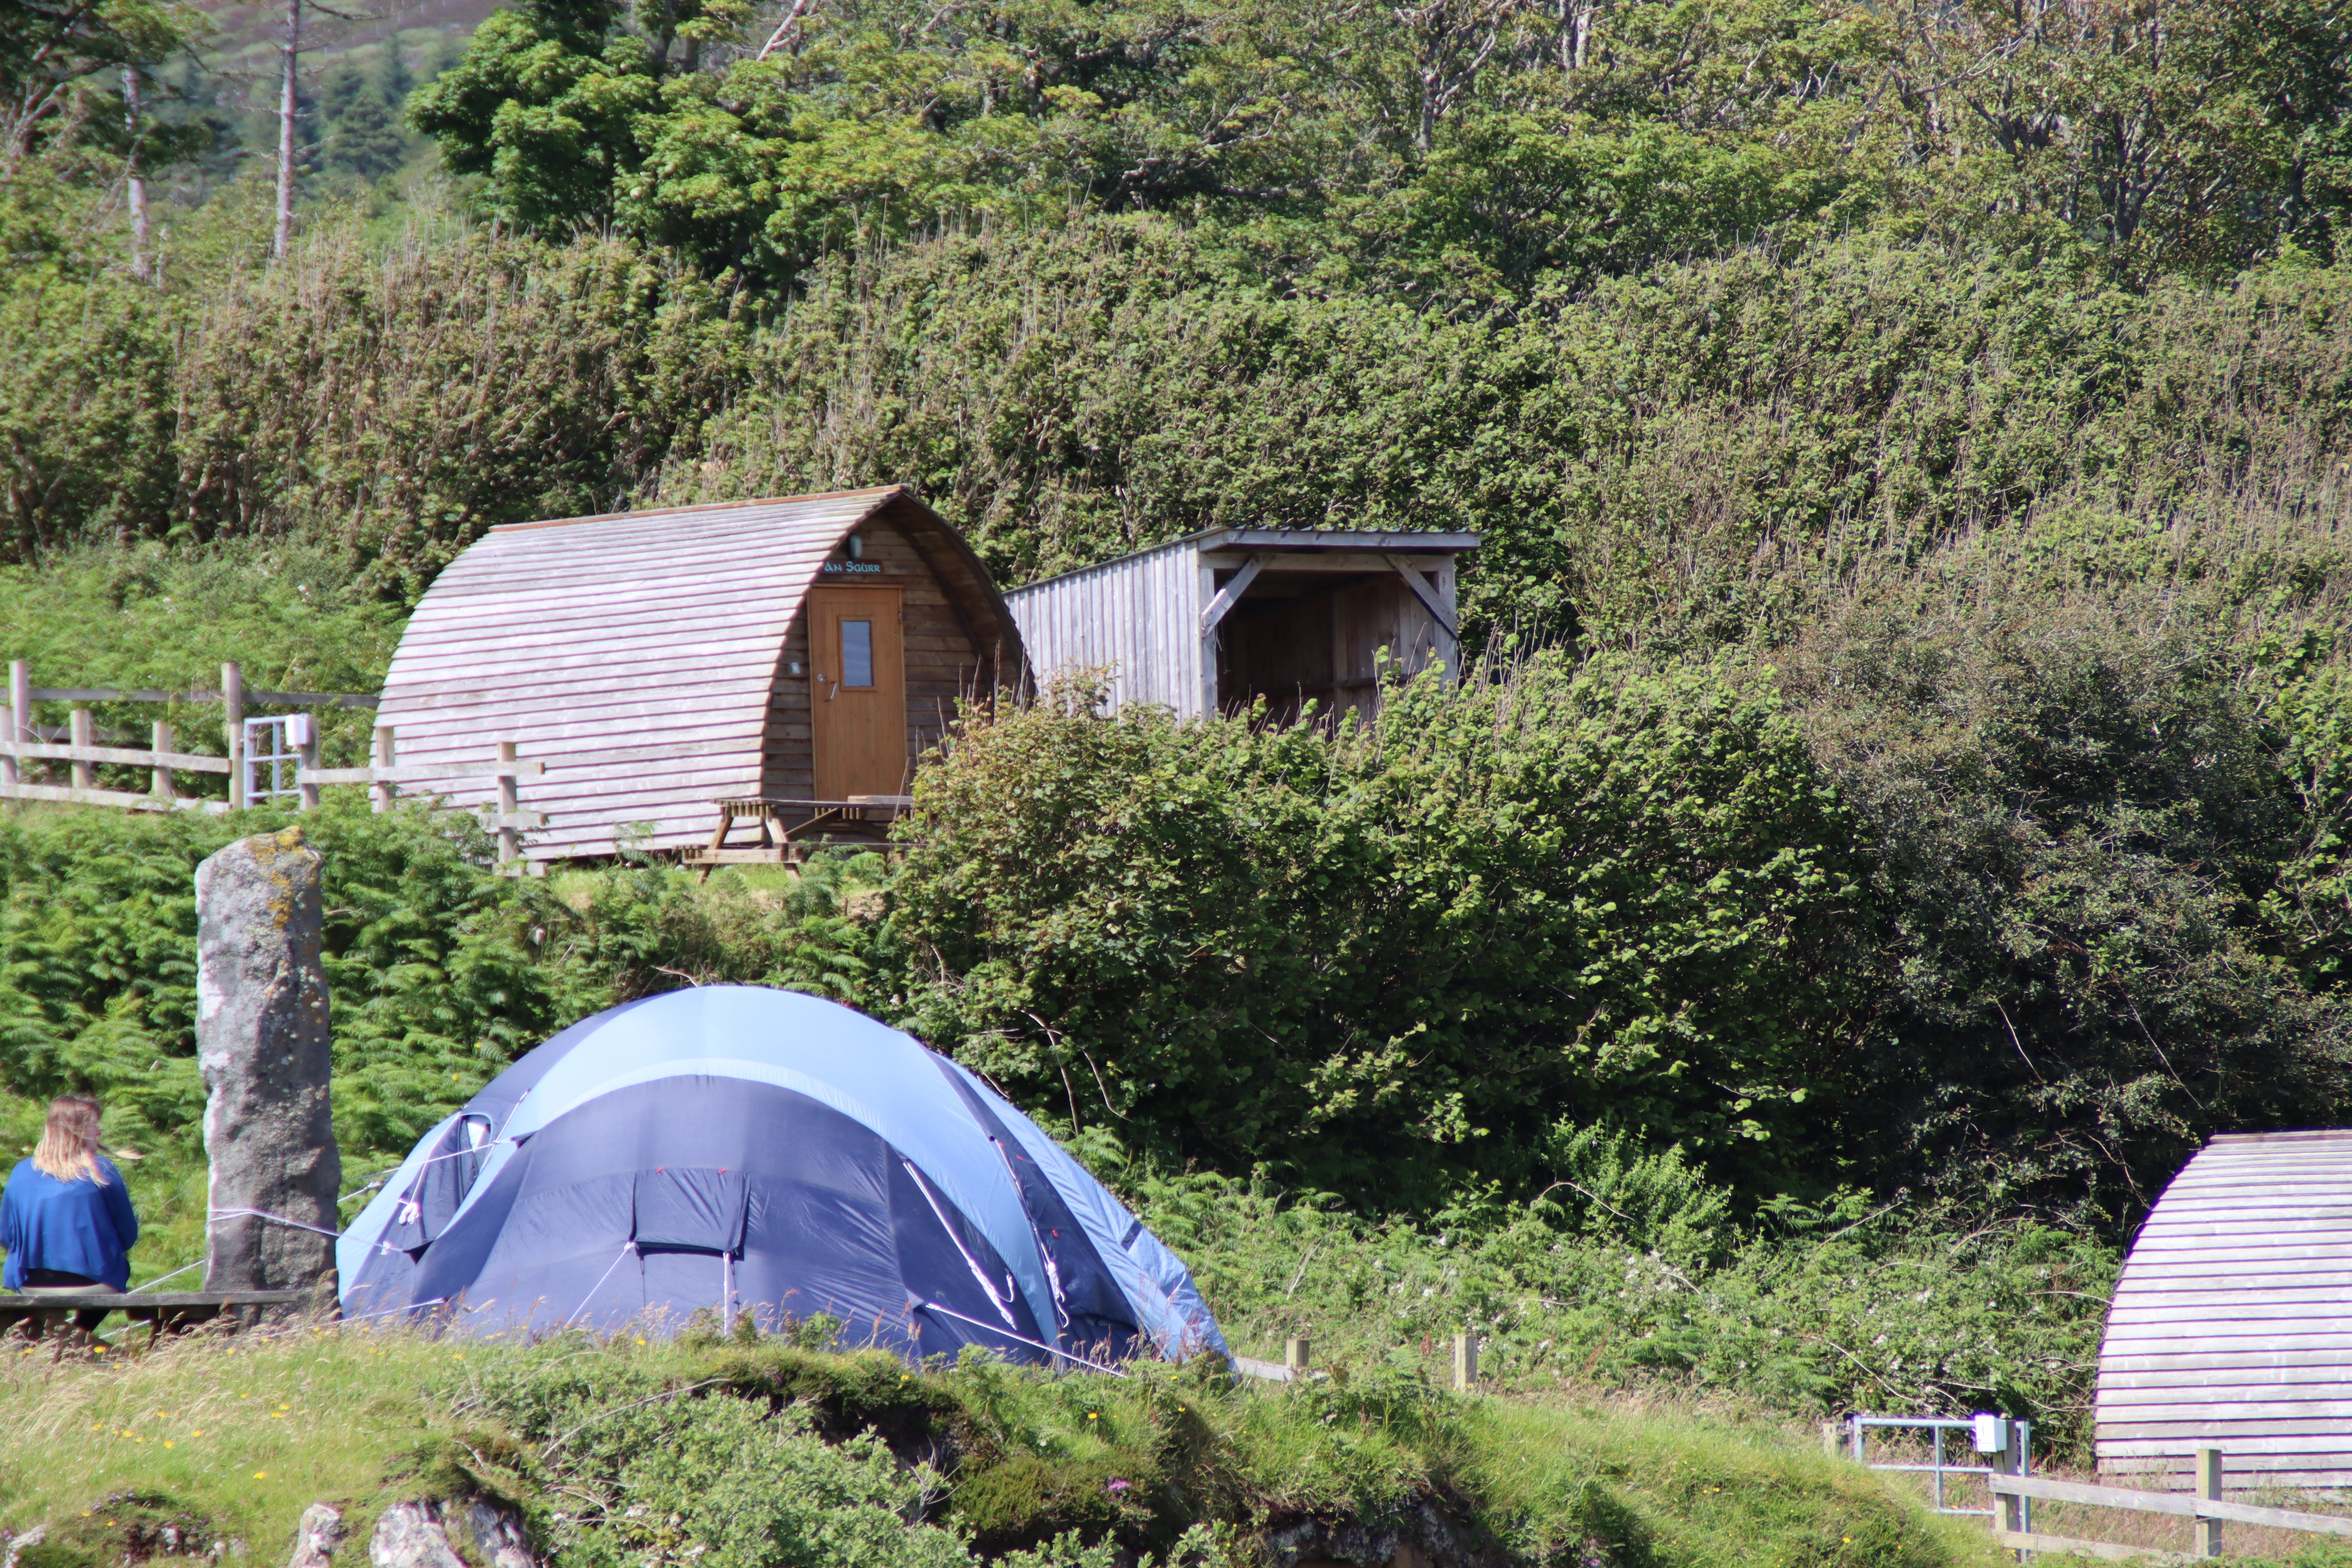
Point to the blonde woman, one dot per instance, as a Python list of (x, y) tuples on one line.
[(65, 1218)]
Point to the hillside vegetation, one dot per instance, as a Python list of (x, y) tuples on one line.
[(1897, 807), (743, 1450)]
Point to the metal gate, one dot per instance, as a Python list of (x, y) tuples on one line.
[(276, 751), (2002, 1447)]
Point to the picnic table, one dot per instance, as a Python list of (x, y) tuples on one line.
[(164, 1311), (787, 825)]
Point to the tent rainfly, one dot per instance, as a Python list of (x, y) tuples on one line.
[(1216, 620), (2231, 1324), (732, 1149), (659, 661)]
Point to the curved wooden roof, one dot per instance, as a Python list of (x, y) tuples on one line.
[(636, 655), (2231, 1325)]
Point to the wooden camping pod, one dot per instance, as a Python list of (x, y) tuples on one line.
[(659, 661), (2231, 1324)]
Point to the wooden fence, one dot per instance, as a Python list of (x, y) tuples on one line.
[(19, 744), (383, 774), (2206, 1507)]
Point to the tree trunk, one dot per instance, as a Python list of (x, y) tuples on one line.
[(1576, 33), (140, 268), (286, 116)]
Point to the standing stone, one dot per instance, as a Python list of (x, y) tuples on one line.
[(262, 1042)]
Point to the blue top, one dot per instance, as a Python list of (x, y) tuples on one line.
[(75, 1227)]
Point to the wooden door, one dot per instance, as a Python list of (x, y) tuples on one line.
[(857, 691)]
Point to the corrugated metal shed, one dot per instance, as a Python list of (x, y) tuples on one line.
[(1216, 618), (2231, 1325), (641, 655)]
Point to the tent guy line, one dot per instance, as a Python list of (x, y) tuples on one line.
[(626, 1247), (215, 1216), (992, 1327)]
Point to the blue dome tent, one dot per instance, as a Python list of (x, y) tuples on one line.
[(738, 1147)]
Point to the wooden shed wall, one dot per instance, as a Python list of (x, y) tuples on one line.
[(2231, 1324), (1139, 615), (640, 656)]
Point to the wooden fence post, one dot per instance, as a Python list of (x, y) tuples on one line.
[(306, 763), (233, 709), (2015, 1510), (162, 784), (82, 730), (1296, 1353), (1465, 1362), (1830, 1438), (2208, 1487), (381, 793), (510, 803), (16, 718)]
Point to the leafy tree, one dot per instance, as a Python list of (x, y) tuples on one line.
[(61, 65), (2165, 133)]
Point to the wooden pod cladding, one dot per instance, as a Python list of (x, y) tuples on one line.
[(2231, 1324), (659, 661)]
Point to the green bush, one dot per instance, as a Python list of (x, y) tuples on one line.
[(1372, 955), (2094, 842), (391, 399)]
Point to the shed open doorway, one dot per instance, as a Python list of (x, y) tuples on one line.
[(1217, 621), (1300, 635)]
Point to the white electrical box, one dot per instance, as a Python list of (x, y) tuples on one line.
[(301, 730), (1992, 1434)]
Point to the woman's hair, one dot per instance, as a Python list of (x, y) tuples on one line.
[(69, 1145)]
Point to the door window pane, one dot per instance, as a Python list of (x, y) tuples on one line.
[(857, 653)]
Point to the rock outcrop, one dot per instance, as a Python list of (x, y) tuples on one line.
[(427, 1533), (317, 1537), (1419, 1537), (262, 1043)]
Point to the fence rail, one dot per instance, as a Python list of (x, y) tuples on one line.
[(180, 762), (201, 697), (2207, 1507)]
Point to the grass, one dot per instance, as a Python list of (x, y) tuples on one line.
[(233, 1437), (243, 1436)]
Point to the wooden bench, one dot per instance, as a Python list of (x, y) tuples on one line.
[(790, 828), (164, 1311)]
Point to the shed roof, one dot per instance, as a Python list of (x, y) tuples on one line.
[(636, 653), (1286, 540), (2231, 1325)]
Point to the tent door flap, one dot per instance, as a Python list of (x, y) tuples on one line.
[(694, 1208)]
